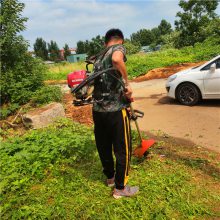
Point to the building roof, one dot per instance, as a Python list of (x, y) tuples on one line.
[(70, 49)]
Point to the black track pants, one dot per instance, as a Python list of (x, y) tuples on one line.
[(112, 132)]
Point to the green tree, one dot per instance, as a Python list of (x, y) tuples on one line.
[(169, 40), (80, 47), (143, 37), (95, 45), (159, 33), (151, 37), (66, 51), (86, 46), (164, 27), (156, 36), (54, 51), (131, 48), (212, 29), (40, 48), (11, 24), (21, 74), (92, 47), (196, 15)]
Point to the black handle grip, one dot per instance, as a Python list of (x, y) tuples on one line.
[(135, 114), (139, 113)]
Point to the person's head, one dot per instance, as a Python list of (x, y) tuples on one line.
[(114, 36)]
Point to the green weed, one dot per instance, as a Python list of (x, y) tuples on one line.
[(46, 95), (142, 63), (139, 64), (55, 173), (60, 71)]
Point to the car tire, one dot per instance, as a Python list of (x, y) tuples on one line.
[(188, 94)]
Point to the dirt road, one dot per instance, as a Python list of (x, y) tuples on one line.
[(198, 124)]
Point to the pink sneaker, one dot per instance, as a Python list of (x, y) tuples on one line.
[(110, 182), (128, 191)]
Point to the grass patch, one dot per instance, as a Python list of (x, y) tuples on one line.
[(55, 173), (139, 64), (59, 71)]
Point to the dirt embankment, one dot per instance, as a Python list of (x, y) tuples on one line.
[(81, 114), (165, 72)]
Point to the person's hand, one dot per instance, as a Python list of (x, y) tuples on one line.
[(128, 91), (129, 112)]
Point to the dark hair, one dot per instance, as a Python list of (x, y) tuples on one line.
[(113, 33)]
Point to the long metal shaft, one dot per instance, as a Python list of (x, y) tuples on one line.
[(136, 123)]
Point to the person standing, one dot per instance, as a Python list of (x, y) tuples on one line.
[(111, 119)]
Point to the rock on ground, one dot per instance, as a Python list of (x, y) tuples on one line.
[(43, 116)]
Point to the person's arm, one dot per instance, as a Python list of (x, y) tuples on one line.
[(119, 64)]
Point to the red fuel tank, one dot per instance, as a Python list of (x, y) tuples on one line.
[(75, 78)]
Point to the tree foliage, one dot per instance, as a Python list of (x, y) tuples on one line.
[(143, 36), (21, 74), (40, 48), (66, 51), (131, 48), (152, 36), (156, 36), (164, 27), (213, 29), (195, 16), (169, 40), (54, 51), (96, 45), (11, 24), (80, 47), (92, 47)]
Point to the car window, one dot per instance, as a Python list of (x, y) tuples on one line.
[(207, 67), (218, 64)]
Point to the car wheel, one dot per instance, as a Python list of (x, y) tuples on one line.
[(188, 94)]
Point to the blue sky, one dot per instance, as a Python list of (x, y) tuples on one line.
[(68, 21)]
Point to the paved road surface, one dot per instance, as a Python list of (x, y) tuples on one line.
[(199, 124)]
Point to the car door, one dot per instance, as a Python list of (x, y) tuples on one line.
[(212, 80)]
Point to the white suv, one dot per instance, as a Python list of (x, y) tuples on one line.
[(200, 82)]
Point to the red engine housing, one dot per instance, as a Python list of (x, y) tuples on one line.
[(75, 78)]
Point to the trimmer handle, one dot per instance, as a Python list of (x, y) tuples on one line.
[(87, 67), (139, 113), (135, 114), (128, 100)]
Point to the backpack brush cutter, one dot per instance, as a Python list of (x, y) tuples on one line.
[(81, 83)]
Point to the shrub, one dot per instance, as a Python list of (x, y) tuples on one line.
[(19, 83), (8, 110), (21, 74), (131, 48), (208, 49), (46, 94)]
